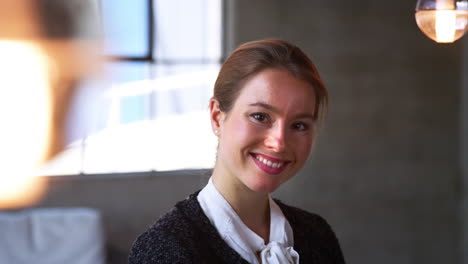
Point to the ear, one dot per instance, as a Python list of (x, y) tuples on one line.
[(216, 116)]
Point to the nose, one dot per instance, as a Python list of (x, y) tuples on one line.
[(276, 138)]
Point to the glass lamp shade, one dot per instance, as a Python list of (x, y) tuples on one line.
[(443, 21)]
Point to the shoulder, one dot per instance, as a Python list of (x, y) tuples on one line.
[(300, 218), (168, 240), (313, 236)]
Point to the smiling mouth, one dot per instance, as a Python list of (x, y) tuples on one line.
[(268, 164)]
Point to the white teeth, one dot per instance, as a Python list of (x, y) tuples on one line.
[(269, 163)]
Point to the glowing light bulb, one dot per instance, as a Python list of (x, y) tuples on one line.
[(445, 25), (25, 117), (41, 63), (443, 21)]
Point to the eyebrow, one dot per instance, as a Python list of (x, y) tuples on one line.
[(276, 111)]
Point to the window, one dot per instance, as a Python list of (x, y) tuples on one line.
[(150, 110)]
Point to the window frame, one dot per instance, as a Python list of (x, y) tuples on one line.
[(150, 59), (150, 43)]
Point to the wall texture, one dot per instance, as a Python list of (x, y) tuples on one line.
[(464, 155), (386, 169)]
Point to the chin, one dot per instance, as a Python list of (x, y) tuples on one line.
[(264, 186)]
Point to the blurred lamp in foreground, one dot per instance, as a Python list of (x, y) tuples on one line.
[(25, 113), (443, 21), (40, 66), (24, 104)]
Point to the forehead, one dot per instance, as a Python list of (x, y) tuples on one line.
[(280, 89)]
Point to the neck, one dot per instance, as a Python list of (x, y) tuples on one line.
[(252, 207)]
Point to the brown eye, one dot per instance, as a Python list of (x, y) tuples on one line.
[(260, 117), (300, 126)]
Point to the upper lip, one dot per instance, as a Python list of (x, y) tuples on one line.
[(270, 158)]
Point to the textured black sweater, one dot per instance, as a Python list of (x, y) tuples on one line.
[(185, 235)]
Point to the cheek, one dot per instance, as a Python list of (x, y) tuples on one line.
[(304, 147), (243, 132)]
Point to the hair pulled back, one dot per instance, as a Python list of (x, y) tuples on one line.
[(253, 57)]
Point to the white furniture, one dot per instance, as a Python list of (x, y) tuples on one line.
[(52, 236)]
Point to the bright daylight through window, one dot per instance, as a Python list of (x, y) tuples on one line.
[(150, 109)]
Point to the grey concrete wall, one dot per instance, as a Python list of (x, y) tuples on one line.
[(386, 169), (464, 155)]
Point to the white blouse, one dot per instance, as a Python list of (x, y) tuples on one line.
[(243, 240)]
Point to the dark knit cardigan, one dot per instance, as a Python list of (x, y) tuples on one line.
[(185, 235)]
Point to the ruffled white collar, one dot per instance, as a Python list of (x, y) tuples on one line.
[(243, 240)]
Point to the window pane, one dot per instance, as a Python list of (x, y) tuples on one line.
[(142, 114), (126, 71), (184, 142), (120, 148), (133, 108), (167, 143), (126, 26), (188, 30), (183, 88), (127, 103)]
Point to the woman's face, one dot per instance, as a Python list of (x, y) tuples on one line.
[(268, 134)]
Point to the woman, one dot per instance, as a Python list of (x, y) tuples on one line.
[(268, 99)]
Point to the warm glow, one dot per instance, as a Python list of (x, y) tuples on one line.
[(25, 116), (445, 25)]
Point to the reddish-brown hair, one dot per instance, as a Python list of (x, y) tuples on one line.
[(253, 57)]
